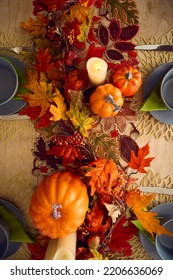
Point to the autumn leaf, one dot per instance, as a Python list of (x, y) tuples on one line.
[(102, 174), (97, 255), (120, 236), (58, 111), (85, 27), (68, 153), (44, 60), (96, 222), (77, 11), (138, 202), (42, 92), (140, 161), (80, 118), (36, 27)]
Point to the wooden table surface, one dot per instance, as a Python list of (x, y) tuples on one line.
[(17, 137)]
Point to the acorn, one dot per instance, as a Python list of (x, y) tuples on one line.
[(93, 241)]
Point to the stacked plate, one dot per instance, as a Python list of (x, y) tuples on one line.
[(10, 68)]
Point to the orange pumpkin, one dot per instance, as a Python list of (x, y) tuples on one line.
[(59, 205), (128, 79), (106, 100)]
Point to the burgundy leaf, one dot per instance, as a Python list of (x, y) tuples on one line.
[(128, 32), (127, 144), (114, 29), (103, 34), (113, 55), (124, 46)]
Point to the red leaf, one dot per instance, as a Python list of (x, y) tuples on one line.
[(113, 54), (127, 144), (121, 235), (44, 60), (128, 32), (103, 35), (94, 51), (124, 46), (114, 29)]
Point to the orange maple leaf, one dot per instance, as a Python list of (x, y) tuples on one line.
[(139, 162), (36, 27), (102, 174), (68, 153), (96, 222), (138, 202)]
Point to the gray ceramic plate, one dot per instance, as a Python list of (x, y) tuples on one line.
[(13, 246), (13, 106), (164, 210), (157, 75)]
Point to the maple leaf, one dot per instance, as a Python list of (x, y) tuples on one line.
[(102, 174), (85, 27), (72, 82), (58, 111), (77, 11), (36, 27), (95, 51), (113, 211), (44, 60), (38, 250), (80, 119), (95, 221), (139, 162), (42, 94), (67, 152), (139, 202), (120, 236)]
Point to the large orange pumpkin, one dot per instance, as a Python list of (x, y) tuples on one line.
[(59, 205), (106, 100), (128, 79)]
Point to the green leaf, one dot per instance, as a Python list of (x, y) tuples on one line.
[(145, 233), (124, 11), (16, 228), (105, 146)]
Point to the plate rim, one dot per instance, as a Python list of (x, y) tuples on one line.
[(16, 245), (143, 239), (20, 103), (159, 115)]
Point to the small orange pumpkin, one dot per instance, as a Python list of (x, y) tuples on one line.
[(106, 100), (59, 205), (128, 79)]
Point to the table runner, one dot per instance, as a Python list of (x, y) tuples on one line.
[(23, 130)]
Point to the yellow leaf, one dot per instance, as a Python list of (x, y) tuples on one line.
[(36, 27), (59, 111), (41, 95), (85, 27), (97, 255), (78, 12), (139, 202), (80, 119)]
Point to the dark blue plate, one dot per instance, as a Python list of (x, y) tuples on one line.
[(14, 105), (165, 116), (13, 246)]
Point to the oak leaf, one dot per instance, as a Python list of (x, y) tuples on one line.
[(102, 174), (139, 202), (140, 161), (36, 27)]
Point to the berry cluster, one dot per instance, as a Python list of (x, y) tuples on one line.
[(74, 140)]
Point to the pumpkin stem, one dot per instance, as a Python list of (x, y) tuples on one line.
[(109, 98), (55, 213), (128, 75)]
